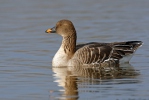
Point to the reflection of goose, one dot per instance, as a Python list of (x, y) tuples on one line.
[(125, 70), (100, 54), (70, 80)]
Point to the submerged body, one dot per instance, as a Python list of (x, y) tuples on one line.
[(100, 54)]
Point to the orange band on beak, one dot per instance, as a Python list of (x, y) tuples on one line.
[(51, 30), (48, 30)]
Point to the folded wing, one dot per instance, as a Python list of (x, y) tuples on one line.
[(99, 52)]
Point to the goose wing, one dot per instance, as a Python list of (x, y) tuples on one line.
[(99, 52), (93, 53), (123, 51)]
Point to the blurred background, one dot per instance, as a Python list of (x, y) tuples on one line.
[(26, 51)]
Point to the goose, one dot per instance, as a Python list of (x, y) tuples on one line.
[(93, 53)]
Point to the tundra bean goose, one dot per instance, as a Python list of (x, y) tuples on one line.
[(94, 53)]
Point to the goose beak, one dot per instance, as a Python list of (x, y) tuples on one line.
[(51, 30)]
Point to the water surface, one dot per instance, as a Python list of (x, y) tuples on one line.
[(26, 51)]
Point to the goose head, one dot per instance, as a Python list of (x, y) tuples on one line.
[(63, 27)]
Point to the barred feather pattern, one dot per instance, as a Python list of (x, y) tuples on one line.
[(103, 53), (69, 49)]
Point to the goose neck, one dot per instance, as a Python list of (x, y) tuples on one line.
[(69, 44)]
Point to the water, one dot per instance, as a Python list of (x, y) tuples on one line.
[(26, 51)]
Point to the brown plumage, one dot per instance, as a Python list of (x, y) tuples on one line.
[(70, 54)]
